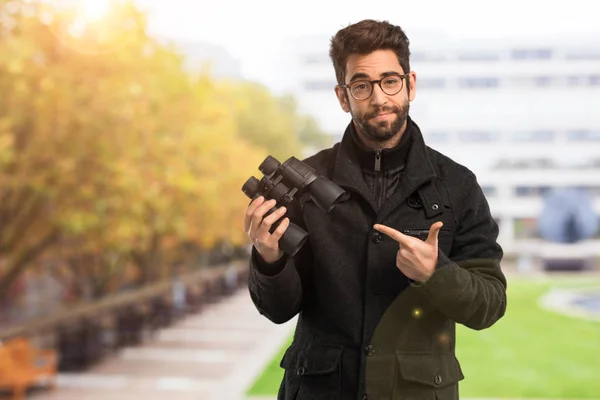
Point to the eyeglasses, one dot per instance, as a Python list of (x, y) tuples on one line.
[(363, 89)]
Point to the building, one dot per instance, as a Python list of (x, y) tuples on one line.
[(522, 114)]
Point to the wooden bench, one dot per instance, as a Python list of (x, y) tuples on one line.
[(23, 366)]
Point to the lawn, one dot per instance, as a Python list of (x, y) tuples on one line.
[(530, 353)]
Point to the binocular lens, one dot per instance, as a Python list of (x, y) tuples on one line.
[(251, 187), (269, 165)]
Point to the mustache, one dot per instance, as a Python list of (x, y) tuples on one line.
[(379, 110)]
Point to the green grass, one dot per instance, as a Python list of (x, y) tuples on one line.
[(530, 353)]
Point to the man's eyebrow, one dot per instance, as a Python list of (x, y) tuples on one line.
[(359, 75), (362, 75), (389, 73)]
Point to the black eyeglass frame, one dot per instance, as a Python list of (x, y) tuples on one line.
[(378, 82)]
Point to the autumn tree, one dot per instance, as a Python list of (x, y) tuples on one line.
[(113, 155)]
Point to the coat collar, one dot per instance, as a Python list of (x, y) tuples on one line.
[(418, 174), (385, 160), (418, 170)]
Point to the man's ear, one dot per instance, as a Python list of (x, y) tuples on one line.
[(412, 80), (342, 96)]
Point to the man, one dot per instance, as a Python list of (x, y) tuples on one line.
[(407, 253)]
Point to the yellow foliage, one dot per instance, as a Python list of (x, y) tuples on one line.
[(116, 144)]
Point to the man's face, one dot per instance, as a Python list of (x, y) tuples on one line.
[(380, 117)]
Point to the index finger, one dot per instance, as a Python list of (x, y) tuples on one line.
[(391, 232), (250, 210)]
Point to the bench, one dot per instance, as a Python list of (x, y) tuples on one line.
[(22, 366)]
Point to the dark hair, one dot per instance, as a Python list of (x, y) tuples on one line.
[(365, 37)]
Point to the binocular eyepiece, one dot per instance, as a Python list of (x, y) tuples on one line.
[(283, 183)]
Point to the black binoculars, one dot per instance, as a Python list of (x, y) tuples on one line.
[(284, 183)]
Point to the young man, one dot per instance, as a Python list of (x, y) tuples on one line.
[(409, 252)]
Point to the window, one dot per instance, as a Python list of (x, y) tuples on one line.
[(534, 136), (535, 81), (532, 163), (319, 85), (531, 54), (427, 57), (315, 59), (438, 137), (576, 80), (584, 80), (478, 56), (544, 81), (431, 83), (583, 135), (470, 83), (531, 191), (478, 136), (591, 54)]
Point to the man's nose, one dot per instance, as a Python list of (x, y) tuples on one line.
[(378, 97)]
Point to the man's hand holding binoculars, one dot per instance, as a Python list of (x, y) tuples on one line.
[(270, 233), (257, 227)]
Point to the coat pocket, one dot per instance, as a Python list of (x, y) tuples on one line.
[(427, 376), (314, 373)]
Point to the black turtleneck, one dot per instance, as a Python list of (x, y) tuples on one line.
[(382, 169)]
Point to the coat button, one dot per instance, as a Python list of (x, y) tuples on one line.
[(437, 379), (435, 207), (300, 371), (369, 350), (377, 237), (414, 202)]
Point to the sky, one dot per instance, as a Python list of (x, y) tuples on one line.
[(253, 31)]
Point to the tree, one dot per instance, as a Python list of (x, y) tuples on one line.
[(307, 130), (264, 120), (113, 155)]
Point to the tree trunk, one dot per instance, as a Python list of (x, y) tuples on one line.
[(24, 260)]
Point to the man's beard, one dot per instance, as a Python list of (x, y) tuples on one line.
[(381, 131)]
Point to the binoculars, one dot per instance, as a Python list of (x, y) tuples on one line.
[(284, 183)]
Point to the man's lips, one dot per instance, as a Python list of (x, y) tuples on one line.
[(381, 116)]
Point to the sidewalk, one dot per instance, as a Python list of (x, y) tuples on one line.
[(215, 355)]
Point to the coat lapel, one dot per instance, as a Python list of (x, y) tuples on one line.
[(417, 173)]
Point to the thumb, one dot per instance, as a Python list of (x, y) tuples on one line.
[(434, 230)]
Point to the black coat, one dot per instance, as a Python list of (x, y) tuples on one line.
[(364, 329)]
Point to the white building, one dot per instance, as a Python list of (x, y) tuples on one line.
[(523, 115)]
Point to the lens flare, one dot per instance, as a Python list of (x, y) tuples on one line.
[(92, 27), (417, 313), (94, 10)]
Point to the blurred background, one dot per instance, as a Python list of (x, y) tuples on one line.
[(127, 129)]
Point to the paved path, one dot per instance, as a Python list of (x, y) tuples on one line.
[(216, 354)]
